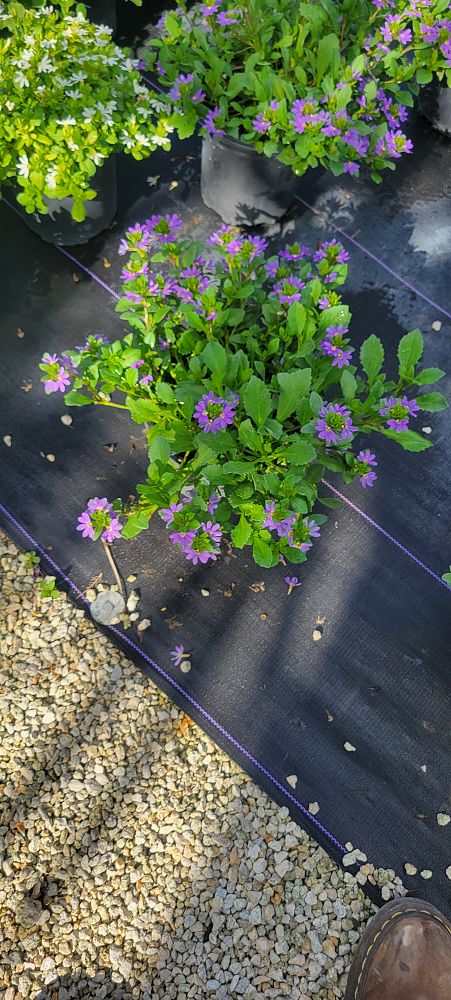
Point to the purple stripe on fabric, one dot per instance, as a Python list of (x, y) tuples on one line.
[(174, 684), (88, 271), (373, 256), (386, 534)]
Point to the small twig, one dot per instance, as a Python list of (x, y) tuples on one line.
[(113, 567)]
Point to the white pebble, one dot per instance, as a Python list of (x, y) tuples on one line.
[(349, 747), (292, 780)]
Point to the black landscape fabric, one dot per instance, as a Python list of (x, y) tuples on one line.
[(277, 701)]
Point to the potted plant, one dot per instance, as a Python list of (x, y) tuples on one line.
[(292, 81), (70, 99), (242, 368), (413, 47)]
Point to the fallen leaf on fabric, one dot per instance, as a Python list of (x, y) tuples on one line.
[(258, 587), (20, 333), (106, 263), (75, 277), (330, 717), (185, 723), (153, 181), (26, 386)]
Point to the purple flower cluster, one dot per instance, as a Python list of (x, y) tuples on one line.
[(298, 531), (398, 411), (295, 252), (304, 531), (335, 424), (362, 467), (332, 251), (274, 522), (288, 289), (335, 346), (163, 228), (262, 123), (97, 521), (393, 143), (213, 413), (209, 122), (199, 544), (57, 378)]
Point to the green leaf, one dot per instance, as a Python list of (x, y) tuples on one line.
[(78, 210), (328, 56), (74, 398), (315, 402), (409, 440), (423, 76), (296, 318), (238, 468), (274, 428), (242, 533), (410, 350), (135, 523), (143, 410), (331, 502), (348, 385), (262, 553), (432, 402), (159, 449), (293, 385), (428, 376), (372, 357), (248, 436), (447, 577), (256, 399), (164, 392), (300, 452), (215, 357)]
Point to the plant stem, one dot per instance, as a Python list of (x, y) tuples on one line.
[(113, 567)]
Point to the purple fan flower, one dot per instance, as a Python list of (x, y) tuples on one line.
[(207, 9), (164, 344), (146, 379), (398, 412), (352, 168), (123, 247), (329, 278), (340, 357), (288, 289), (212, 503), (335, 424), (167, 513), (291, 582), (295, 252), (445, 49), (58, 381), (137, 364), (333, 251), (198, 96), (183, 80), (182, 538), (430, 32), (228, 17), (112, 531), (358, 142), (213, 413), (97, 518), (256, 246), (272, 267), (366, 459), (178, 655), (304, 531), (273, 523), (163, 228), (324, 302), (204, 545), (261, 123), (209, 123)]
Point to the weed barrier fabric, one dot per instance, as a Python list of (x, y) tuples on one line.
[(277, 701)]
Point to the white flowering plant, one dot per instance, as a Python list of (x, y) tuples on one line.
[(69, 98)]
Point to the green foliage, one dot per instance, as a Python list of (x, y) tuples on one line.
[(48, 588), (233, 386), (69, 98)]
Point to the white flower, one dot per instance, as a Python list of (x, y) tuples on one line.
[(45, 66), (23, 167), (66, 121), (20, 80), (50, 177)]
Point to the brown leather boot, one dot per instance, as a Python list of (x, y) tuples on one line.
[(404, 954)]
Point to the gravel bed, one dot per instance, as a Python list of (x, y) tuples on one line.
[(137, 860)]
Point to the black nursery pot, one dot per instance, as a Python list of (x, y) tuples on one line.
[(59, 227), (244, 187), (103, 12), (434, 103)]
